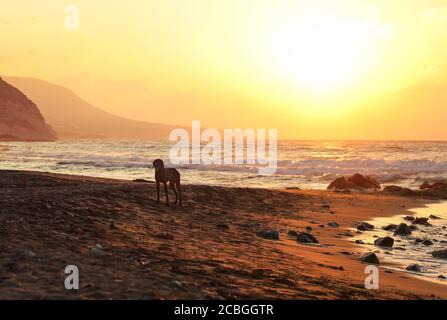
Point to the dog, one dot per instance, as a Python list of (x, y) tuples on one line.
[(165, 175)]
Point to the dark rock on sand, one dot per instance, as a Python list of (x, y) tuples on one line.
[(421, 221), (365, 226), (427, 242), (292, 233), (387, 242), (268, 234), (390, 227), (370, 257), (399, 191), (413, 267), (356, 181), (333, 224), (433, 217), (440, 254), (409, 218), (418, 240), (359, 242), (437, 189), (402, 230), (306, 238)]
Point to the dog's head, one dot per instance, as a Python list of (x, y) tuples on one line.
[(158, 164)]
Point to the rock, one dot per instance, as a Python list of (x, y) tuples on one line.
[(413, 267), (421, 221), (364, 182), (341, 183), (425, 185), (293, 188), (309, 228), (292, 233), (327, 206), (365, 226), (359, 242), (269, 234), (356, 181), (418, 240), (440, 254), (409, 218), (399, 191), (433, 217), (370, 257), (402, 230), (223, 226), (387, 242), (436, 190), (306, 238), (333, 224), (427, 242), (177, 284), (390, 227), (441, 276)]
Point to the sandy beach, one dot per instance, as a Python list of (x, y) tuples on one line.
[(208, 249)]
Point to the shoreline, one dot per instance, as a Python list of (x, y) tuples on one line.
[(206, 250)]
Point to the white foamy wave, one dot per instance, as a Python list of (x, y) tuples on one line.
[(307, 164)]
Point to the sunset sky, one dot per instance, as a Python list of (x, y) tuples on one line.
[(312, 69)]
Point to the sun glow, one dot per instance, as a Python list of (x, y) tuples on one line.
[(324, 56)]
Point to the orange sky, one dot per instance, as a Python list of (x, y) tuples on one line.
[(311, 69)]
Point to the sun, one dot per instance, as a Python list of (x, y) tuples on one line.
[(324, 56)]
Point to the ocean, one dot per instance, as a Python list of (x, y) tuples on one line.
[(304, 164)]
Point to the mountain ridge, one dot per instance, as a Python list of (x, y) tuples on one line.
[(74, 118)]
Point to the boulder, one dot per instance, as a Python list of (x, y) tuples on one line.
[(370, 257), (390, 227), (356, 181), (440, 254), (402, 230), (363, 182), (365, 226), (306, 238), (421, 221), (399, 191), (292, 233), (387, 242), (333, 224), (341, 183), (268, 234), (436, 190), (413, 267)]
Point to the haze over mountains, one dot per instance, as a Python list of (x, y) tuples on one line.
[(20, 118), (73, 118)]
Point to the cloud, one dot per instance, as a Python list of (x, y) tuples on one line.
[(435, 16)]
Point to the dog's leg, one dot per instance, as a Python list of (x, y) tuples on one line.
[(172, 185), (179, 192), (166, 191), (158, 192)]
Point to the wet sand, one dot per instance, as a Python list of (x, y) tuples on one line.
[(207, 249)]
